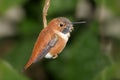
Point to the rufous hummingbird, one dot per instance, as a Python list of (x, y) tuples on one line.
[(51, 40)]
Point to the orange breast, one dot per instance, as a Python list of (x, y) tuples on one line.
[(58, 47)]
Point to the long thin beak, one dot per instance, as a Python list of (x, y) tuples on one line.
[(81, 22)]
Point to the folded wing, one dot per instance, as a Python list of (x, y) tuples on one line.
[(46, 40)]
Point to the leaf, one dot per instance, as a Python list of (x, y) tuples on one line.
[(8, 73)]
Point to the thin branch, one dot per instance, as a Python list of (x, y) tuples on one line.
[(45, 10)]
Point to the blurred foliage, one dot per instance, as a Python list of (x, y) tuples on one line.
[(5, 4), (8, 73), (82, 58), (113, 5), (110, 73)]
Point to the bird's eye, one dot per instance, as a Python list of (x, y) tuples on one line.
[(61, 25)]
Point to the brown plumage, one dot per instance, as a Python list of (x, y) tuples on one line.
[(48, 34)]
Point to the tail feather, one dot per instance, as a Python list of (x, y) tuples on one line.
[(28, 64)]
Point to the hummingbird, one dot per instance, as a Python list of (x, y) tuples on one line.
[(51, 40)]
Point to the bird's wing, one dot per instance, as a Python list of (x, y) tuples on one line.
[(50, 44), (46, 40)]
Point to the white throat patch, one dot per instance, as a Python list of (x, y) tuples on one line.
[(64, 36)]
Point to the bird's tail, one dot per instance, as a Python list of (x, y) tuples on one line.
[(28, 64)]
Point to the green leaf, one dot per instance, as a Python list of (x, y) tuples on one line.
[(8, 73)]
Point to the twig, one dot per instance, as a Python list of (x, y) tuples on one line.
[(45, 10)]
